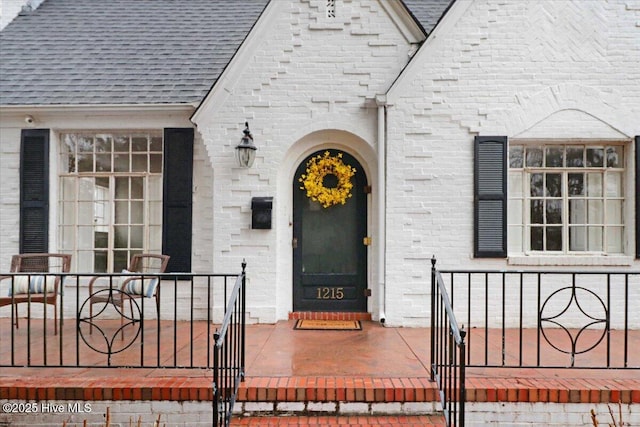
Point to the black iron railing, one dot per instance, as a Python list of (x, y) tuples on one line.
[(447, 353), (96, 331), (229, 354), (546, 319)]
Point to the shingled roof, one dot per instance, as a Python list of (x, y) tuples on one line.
[(96, 52)]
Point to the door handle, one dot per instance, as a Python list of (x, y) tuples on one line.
[(294, 243)]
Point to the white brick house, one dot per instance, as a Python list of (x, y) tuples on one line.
[(404, 99)]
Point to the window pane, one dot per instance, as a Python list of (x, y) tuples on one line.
[(537, 212), (614, 239), (155, 238), (85, 144), (101, 239), (595, 238), (536, 185), (120, 261), (534, 157), (554, 238), (614, 212), (68, 238), (595, 212), (121, 212), (614, 184), (536, 238), (577, 212), (155, 163), (85, 237), (103, 162), (155, 213), (554, 185), (154, 184), (85, 213), (614, 157), (85, 162), (68, 188), (594, 185), (100, 261), (121, 143), (516, 153), (577, 238), (139, 143), (156, 144), (121, 163), (103, 144), (575, 157), (576, 184), (68, 216), (139, 163), (136, 233), (554, 211), (122, 188), (137, 213), (121, 236), (554, 157), (595, 157), (137, 188)]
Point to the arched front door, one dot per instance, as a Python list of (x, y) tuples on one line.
[(329, 253)]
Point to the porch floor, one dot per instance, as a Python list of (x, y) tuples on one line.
[(377, 365)]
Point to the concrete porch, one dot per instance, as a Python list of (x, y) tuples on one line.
[(376, 376)]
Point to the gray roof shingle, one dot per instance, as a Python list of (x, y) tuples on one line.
[(92, 52), (120, 51)]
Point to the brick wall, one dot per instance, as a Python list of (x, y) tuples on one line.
[(306, 83), (548, 69)]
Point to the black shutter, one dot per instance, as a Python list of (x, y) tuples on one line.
[(637, 188), (490, 197), (34, 191), (177, 198)]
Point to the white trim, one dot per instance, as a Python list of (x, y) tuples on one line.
[(405, 23), (569, 260), (71, 108)]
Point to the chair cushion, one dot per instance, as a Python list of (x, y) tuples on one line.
[(137, 287), (32, 284)]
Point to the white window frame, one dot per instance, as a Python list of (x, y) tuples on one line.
[(148, 228), (526, 256)]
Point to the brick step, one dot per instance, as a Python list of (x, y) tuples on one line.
[(418, 395), (359, 421)]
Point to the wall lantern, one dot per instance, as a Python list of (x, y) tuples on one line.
[(246, 151)]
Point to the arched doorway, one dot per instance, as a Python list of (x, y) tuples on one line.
[(329, 252)]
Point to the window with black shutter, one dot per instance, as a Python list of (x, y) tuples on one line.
[(177, 198), (490, 197), (34, 191)]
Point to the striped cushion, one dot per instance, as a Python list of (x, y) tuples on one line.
[(136, 287), (32, 284)]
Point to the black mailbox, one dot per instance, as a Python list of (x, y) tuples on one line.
[(261, 213)]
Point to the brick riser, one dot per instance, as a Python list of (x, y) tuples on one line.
[(322, 389), (328, 315)]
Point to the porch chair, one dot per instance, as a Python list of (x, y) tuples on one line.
[(35, 288), (133, 287)]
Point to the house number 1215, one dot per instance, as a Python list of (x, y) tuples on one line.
[(330, 293)]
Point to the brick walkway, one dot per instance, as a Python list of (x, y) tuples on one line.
[(357, 421)]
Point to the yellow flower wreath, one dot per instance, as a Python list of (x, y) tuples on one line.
[(318, 168)]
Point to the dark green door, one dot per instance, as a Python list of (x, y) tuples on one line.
[(329, 255)]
